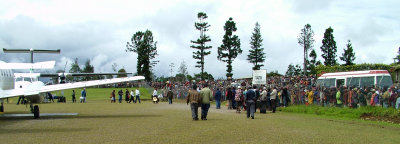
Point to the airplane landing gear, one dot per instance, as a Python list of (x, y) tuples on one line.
[(35, 111), (1, 107)]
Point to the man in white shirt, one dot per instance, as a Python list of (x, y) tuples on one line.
[(132, 97), (273, 99), (137, 95)]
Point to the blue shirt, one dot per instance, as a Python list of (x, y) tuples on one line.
[(83, 93), (218, 95)]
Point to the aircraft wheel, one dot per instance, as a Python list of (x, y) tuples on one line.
[(36, 111), (1, 108)]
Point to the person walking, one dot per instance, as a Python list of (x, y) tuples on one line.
[(112, 96), (251, 102), (229, 97), (132, 98), (195, 100), (263, 101), (120, 93), (206, 97), (83, 95), (273, 99), (126, 95), (338, 98), (137, 92), (238, 99), (217, 98), (170, 95), (73, 96)]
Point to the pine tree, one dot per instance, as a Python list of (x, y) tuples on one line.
[(143, 44), (313, 62), (256, 53), (74, 69), (200, 42), (306, 39), (230, 47), (329, 48), (88, 69), (290, 71), (348, 56)]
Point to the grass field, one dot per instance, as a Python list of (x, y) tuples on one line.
[(102, 122)]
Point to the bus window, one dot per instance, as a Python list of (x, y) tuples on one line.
[(384, 81), (367, 81), (320, 82), (339, 82), (353, 82)]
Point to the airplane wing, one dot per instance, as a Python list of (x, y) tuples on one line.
[(38, 87), (56, 87), (38, 65)]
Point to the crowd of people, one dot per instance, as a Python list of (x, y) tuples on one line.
[(283, 91)]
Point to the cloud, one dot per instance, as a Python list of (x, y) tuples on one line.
[(99, 32)]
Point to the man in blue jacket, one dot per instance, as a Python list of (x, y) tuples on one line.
[(251, 102), (217, 98)]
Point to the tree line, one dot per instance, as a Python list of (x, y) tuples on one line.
[(328, 49), (144, 45)]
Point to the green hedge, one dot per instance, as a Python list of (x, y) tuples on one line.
[(358, 67)]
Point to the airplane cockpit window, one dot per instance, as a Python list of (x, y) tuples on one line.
[(27, 79), (19, 79)]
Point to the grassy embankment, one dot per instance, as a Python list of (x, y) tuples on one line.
[(373, 113)]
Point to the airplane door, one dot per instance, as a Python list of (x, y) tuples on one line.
[(339, 82)]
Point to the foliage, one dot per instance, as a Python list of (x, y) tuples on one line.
[(348, 56), (230, 47), (256, 53), (88, 69), (293, 70), (273, 73), (329, 48), (199, 44), (122, 70), (206, 75), (306, 39), (190, 78), (357, 67), (313, 63), (74, 69), (143, 44), (183, 68)]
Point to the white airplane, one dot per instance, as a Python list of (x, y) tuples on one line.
[(35, 91)]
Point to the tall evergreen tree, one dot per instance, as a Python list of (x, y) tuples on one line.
[(143, 44), (230, 47), (348, 56), (290, 71), (74, 69), (88, 69), (313, 62), (256, 53), (329, 48), (199, 44), (306, 39)]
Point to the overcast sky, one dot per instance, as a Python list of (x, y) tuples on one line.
[(98, 30)]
